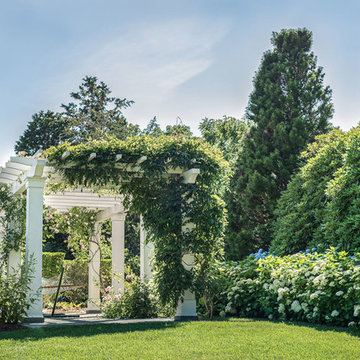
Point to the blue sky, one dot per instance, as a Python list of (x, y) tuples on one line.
[(192, 59)]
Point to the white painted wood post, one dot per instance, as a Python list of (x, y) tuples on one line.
[(147, 252), (94, 271), (14, 262), (186, 309), (118, 251), (34, 227), (142, 250), (14, 259)]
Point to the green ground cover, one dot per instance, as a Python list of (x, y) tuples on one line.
[(233, 339)]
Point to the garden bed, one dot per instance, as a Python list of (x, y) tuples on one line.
[(11, 327)]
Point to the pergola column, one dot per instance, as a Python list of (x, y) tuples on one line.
[(14, 262), (33, 254), (186, 309), (94, 271), (146, 255), (118, 251), (14, 257)]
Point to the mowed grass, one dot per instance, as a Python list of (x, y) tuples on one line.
[(233, 339)]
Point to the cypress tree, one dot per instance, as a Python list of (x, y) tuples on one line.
[(289, 106)]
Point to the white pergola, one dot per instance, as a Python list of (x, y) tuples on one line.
[(30, 175)]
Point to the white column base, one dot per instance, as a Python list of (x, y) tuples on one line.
[(186, 309)]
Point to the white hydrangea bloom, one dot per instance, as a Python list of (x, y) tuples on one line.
[(295, 306), (281, 309)]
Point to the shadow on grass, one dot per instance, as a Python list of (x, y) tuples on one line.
[(33, 334), (318, 327)]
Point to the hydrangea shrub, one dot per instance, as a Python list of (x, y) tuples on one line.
[(312, 287)]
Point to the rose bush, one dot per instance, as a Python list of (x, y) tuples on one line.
[(137, 301), (313, 287)]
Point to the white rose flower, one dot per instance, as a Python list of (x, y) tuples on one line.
[(339, 293), (335, 313)]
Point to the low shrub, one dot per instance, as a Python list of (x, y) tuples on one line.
[(211, 289), (14, 302), (136, 302), (313, 287)]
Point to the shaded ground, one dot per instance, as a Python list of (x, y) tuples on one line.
[(11, 327)]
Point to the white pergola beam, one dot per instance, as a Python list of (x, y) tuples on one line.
[(141, 160), (109, 212), (8, 176), (6, 181), (17, 166), (23, 160), (65, 155), (38, 154), (10, 171), (37, 168), (92, 157), (190, 176), (74, 203)]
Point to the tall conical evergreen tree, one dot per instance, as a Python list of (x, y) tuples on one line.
[(289, 106)]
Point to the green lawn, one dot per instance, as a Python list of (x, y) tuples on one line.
[(233, 339)]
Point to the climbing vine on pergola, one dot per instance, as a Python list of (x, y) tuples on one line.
[(154, 190)]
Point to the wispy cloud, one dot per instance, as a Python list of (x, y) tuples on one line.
[(154, 59), (145, 63)]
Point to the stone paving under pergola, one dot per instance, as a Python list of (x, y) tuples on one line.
[(29, 175)]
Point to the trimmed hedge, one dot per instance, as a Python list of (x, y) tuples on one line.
[(52, 264), (76, 270), (313, 287)]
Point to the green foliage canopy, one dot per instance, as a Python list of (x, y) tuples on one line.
[(227, 134), (93, 113), (165, 202), (320, 207), (289, 106), (45, 130)]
